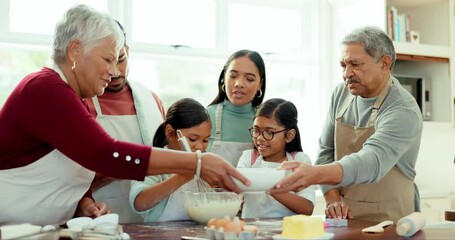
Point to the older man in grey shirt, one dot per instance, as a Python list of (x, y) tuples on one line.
[(371, 138)]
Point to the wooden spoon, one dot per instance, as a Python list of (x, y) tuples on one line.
[(378, 228)]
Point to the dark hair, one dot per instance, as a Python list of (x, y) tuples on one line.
[(184, 113), (123, 31), (257, 60), (285, 113)]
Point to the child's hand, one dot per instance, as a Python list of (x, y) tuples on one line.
[(338, 210)]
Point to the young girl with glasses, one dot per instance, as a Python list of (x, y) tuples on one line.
[(159, 198), (276, 139)]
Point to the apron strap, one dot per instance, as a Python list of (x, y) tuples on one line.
[(96, 104), (378, 103), (347, 101), (218, 117), (148, 111)]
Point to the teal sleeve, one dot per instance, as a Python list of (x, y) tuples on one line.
[(152, 214)]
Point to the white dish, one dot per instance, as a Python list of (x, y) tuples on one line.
[(262, 179), (18, 231), (110, 219), (327, 235), (79, 223)]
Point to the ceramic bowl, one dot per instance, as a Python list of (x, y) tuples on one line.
[(262, 179), (107, 219), (203, 206), (79, 223)]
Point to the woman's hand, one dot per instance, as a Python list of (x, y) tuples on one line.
[(218, 172), (338, 210), (87, 207)]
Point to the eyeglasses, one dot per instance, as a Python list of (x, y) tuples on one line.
[(266, 134)]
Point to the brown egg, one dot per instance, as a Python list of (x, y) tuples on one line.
[(250, 228), (218, 222), (242, 223), (211, 222), (233, 226)]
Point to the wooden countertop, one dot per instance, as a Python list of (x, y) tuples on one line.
[(271, 227)]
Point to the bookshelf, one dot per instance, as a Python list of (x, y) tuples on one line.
[(432, 57), (433, 54)]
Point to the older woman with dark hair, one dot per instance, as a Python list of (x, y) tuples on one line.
[(50, 145)]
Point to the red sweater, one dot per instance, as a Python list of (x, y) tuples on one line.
[(44, 113)]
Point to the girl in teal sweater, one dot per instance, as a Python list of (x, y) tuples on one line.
[(160, 197)]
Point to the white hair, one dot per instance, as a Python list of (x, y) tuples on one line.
[(88, 26)]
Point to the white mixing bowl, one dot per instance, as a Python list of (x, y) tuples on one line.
[(203, 206), (262, 179)]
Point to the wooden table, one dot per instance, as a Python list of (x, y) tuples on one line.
[(271, 227)]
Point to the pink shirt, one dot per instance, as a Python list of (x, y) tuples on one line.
[(43, 113)]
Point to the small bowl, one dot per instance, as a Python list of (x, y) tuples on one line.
[(262, 179), (110, 219), (79, 223), (203, 206)]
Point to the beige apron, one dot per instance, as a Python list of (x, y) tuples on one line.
[(230, 151), (127, 128), (389, 199)]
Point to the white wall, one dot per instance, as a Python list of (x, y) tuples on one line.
[(435, 165)]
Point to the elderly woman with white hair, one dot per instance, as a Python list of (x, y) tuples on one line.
[(50, 145)]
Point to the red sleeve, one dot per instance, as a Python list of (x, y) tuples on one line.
[(53, 113), (88, 194)]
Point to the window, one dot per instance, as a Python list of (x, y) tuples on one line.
[(174, 22), (20, 62), (264, 29), (27, 16), (195, 77), (185, 43)]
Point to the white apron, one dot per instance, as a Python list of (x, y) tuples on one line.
[(230, 151), (261, 204), (383, 200), (46, 191), (175, 208), (127, 128)]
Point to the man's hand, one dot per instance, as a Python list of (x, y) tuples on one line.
[(300, 178)]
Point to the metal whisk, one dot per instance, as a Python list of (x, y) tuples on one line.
[(202, 185)]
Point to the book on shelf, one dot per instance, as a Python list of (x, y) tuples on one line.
[(398, 25)]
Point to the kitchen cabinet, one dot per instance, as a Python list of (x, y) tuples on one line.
[(431, 58), (434, 205)]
